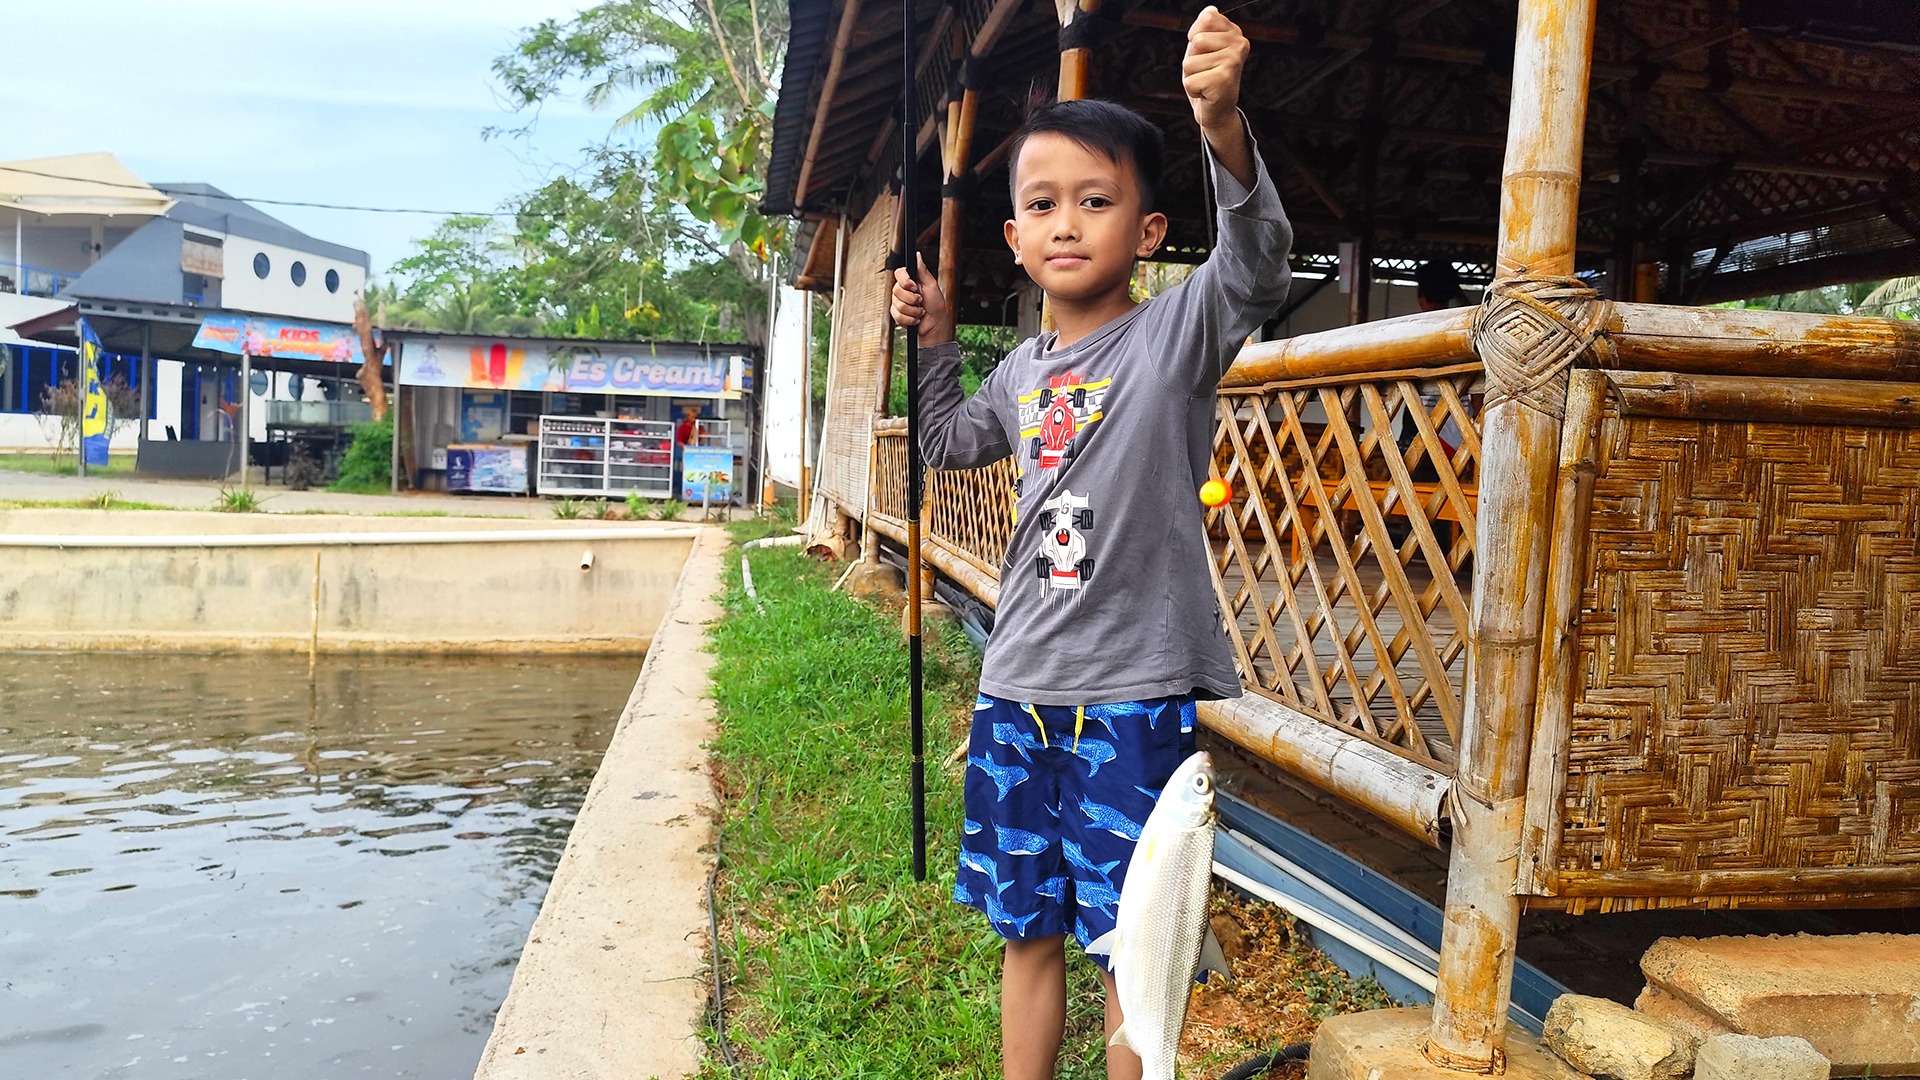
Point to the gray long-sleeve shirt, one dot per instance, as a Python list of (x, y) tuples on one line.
[(1105, 594)]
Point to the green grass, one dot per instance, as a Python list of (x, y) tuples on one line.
[(839, 964), (94, 503), (239, 501), (47, 465)]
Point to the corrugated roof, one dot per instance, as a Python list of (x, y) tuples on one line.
[(806, 55), (145, 267), (210, 208)]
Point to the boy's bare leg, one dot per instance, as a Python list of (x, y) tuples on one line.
[(1033, 1007), (1122, 1063)]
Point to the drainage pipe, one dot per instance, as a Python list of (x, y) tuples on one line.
[(1353, 939), (365, 539), (773, 541)]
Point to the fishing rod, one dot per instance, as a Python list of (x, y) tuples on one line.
[(916, 481)]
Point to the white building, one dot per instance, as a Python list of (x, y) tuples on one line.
[(151, 267)]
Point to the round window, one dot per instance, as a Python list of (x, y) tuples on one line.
[(333, 281), (299, 272), (262, 266)]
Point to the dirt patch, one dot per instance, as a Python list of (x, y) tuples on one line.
[(1280, 990)]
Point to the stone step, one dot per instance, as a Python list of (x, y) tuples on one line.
[(1855, 997)]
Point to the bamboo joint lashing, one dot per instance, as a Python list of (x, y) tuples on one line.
[(1530, 330)]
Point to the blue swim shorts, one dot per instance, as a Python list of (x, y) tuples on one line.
[(1055, 800)]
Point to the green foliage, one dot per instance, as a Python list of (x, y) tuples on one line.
[(981, 350), (567, 509), (1898, 298), (367, 466), (634, 505), (238, 501), (701, 73), (59, 462), (594, 254), (669, 510)]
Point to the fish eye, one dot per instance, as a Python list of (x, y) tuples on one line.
[(1201, 784)]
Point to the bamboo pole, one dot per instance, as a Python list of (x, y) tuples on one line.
[(1640, 337), (849, 18), (959, 149), (1428, 338), (1778, 401), (1586, 394), (1073, 62), (1520, 443), (1401, 791)]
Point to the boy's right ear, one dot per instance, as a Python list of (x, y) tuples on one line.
[(1012, 232)]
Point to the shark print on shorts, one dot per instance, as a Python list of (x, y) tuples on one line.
[(1055, 799)]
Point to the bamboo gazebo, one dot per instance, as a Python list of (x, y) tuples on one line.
[(1614, 596)]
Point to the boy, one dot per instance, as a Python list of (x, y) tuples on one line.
[(1106, 631)]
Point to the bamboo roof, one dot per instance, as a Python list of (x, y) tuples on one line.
[(1750, 148)]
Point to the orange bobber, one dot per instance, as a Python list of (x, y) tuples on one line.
[(1215, 493)]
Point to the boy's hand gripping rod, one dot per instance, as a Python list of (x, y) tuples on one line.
[(909, 236)]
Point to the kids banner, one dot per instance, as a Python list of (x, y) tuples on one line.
[(93, 414)]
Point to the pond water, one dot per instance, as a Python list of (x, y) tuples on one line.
[(219, 867)]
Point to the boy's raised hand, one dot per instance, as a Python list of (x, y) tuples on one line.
[(1216, 55), (922, 304)]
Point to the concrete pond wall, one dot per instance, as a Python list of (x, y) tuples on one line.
[(195, 580)]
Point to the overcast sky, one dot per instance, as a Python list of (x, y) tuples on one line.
[(365, 102)]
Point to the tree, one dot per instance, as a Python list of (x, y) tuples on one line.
[(597, 253), (705, 73), (1898, 298), (59, 415)]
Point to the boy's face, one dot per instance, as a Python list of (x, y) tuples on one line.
[(1078, 224)]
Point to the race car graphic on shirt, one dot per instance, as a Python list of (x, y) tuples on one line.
[(1063, 562), (1052, 415)]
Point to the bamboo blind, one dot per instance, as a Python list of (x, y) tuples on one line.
[(856, 380), (1745, 720)]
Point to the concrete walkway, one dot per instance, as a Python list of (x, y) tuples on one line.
[(612, 981)]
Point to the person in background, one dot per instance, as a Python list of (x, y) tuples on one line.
[(684, 434), (1436, 286)]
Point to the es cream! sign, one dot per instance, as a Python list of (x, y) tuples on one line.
[(599, 368)]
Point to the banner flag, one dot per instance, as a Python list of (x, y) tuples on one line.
[(93, 414)]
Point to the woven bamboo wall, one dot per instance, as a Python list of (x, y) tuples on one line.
[(856, 377), (1745, 724)]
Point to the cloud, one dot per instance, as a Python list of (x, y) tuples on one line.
[(374, 102)]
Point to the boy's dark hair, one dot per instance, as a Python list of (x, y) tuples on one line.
[(1102, 127)]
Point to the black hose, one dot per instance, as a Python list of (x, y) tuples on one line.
[(1260, 1063), (719, 980)]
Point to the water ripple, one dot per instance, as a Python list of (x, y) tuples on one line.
[(144, 919)]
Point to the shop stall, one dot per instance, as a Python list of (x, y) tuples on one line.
[(567, 417)]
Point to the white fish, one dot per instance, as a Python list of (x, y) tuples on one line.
[(1160, 940)]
